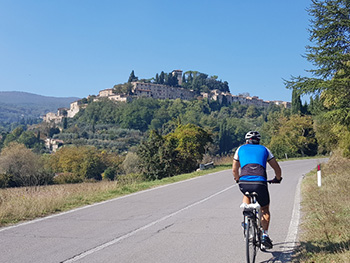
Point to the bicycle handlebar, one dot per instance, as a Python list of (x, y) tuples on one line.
[(275, 181), (272, 181)]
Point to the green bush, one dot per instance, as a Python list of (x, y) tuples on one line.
[(110, 173), (67, 178), (4, 180)]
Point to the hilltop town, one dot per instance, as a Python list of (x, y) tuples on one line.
[(161, 91)]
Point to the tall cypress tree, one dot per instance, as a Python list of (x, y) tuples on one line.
[(132, 77), (161, 77), (296, 102)]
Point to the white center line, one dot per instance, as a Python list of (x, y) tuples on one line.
[(116, 240)]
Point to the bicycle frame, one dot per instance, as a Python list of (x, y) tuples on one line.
[(252, 226)]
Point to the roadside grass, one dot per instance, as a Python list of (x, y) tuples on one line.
[(325, 228), (27, 203)]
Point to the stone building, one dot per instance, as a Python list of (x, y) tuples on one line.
[(63, 112), (178, 74), (160, 91)]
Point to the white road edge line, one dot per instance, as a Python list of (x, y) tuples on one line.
[(291, 239), (116, 240)]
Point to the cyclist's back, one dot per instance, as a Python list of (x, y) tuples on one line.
[(253, 158)]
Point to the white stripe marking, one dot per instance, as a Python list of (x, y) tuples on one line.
[(116, 240), (290, 241)]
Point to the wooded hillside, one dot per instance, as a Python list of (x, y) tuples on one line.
[(27, 107)]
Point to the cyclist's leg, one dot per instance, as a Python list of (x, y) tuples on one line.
[(264, 201), (245, 188), (266, 242), (246, 199), (265, 217)]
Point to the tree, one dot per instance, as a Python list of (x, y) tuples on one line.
[(225, 138), (23, 167), (295, 136), (316, 105), (177, 152), (131, 163), (65, 123), (191, 141), (330, 32), (125, 88), (83, 162), (161, 78), (132, 77), (149, 153), (138, 114), (14, 135), (296, 102), (330, 54), (252, 112)]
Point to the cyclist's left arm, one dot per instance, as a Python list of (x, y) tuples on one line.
[(235, 169)]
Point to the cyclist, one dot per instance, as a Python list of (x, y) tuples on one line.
[(252, 158)]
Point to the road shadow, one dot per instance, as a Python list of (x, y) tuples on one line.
[(282, 252), (288, 252)]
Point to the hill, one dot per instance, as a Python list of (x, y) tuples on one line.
[(17, 106)]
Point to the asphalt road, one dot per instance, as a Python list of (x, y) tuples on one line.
[(197, 220)]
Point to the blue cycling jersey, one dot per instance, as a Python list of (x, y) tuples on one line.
[(253, 159)]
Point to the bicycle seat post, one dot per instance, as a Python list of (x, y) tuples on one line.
[(252, 196)]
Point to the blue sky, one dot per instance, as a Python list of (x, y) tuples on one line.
[(66, 48)]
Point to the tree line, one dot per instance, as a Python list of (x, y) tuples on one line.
[(156, 138), (191, 80)]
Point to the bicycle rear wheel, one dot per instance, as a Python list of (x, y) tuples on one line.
[(251, 241)]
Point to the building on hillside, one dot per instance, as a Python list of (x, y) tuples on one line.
[(282, 103), (52, 117), (53, 144), (106, 93), (160, 91), (64, 112), (109, 93), (120, 97), (74, 108), (228, 98), (178, 74), (256, 102)]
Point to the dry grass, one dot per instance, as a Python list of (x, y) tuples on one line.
[(225, 160), (17, 204), (325, 229)]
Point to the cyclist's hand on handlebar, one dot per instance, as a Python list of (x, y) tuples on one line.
[(275, 181)]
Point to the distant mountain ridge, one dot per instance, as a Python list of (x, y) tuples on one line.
[(19, 97), (16, 105)]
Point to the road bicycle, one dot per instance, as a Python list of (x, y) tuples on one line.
[(252, 227)]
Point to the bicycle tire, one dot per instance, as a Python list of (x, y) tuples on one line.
[(251, 241)]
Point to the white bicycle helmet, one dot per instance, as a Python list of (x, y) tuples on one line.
[(253, 135)]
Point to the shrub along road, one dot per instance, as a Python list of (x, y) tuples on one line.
[(197, 220)]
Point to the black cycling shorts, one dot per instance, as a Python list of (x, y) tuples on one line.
[(260, 188)]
